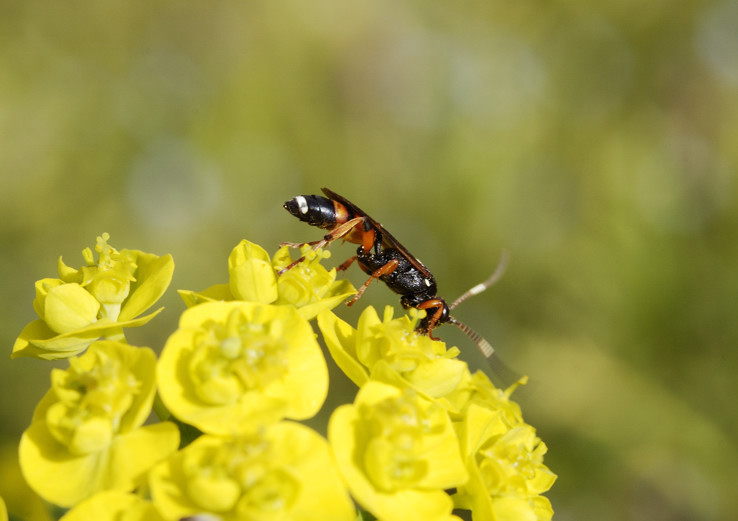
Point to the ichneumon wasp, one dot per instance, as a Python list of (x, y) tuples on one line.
[(382, 257)]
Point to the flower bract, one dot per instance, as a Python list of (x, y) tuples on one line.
[(504, 458), (113, 506), (253, 277), (87, 435), (96, 300), (391, 347), (232, 366), (282, 471), (398, 452)]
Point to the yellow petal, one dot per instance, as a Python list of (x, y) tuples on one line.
[(153, 275), (269, 474), (216, 292), (69, 307), (252, 276), (340, 338), (233, 365), (113, 506), (403, 432)]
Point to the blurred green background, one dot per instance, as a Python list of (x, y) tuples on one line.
[(597, 142)]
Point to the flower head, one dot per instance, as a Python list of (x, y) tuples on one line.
[(283, 471), (392, 351), (398, 452), (308, 286), (108, 279), (504, 458), (88, 426), (234, 365), (96, 300)]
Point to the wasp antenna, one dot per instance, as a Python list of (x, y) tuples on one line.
[(497, 275), (484, 346)]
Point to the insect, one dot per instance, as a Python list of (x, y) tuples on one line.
[(383, 257)]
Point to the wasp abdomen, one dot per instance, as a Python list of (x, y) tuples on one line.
[(316, 210)]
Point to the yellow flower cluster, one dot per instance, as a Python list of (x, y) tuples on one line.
[(233, 364), (94, 301), (423, 423), (87, 433), (422, 437)]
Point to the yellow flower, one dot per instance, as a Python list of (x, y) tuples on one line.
[(308, 285), (86, 433), (22, 501), (283, 471), (478, 389), (503, 456), (97, 300), (232, 365), (251, 274), (113, 506), (393, 352), (397, 452), (253, 278)]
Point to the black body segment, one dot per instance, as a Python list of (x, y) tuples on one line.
[(313, 209)]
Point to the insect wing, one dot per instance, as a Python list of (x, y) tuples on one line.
[(388, 239)]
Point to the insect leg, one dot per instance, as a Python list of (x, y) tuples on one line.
[(337, 232), (384, 270), (346, 264), (429, 304), (300, 244)]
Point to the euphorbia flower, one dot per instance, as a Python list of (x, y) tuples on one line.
[(283, 471), (233, 365), (393, 351), (254, 278), (86, 435), (504, 459), (398, 452), (97, 300)]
